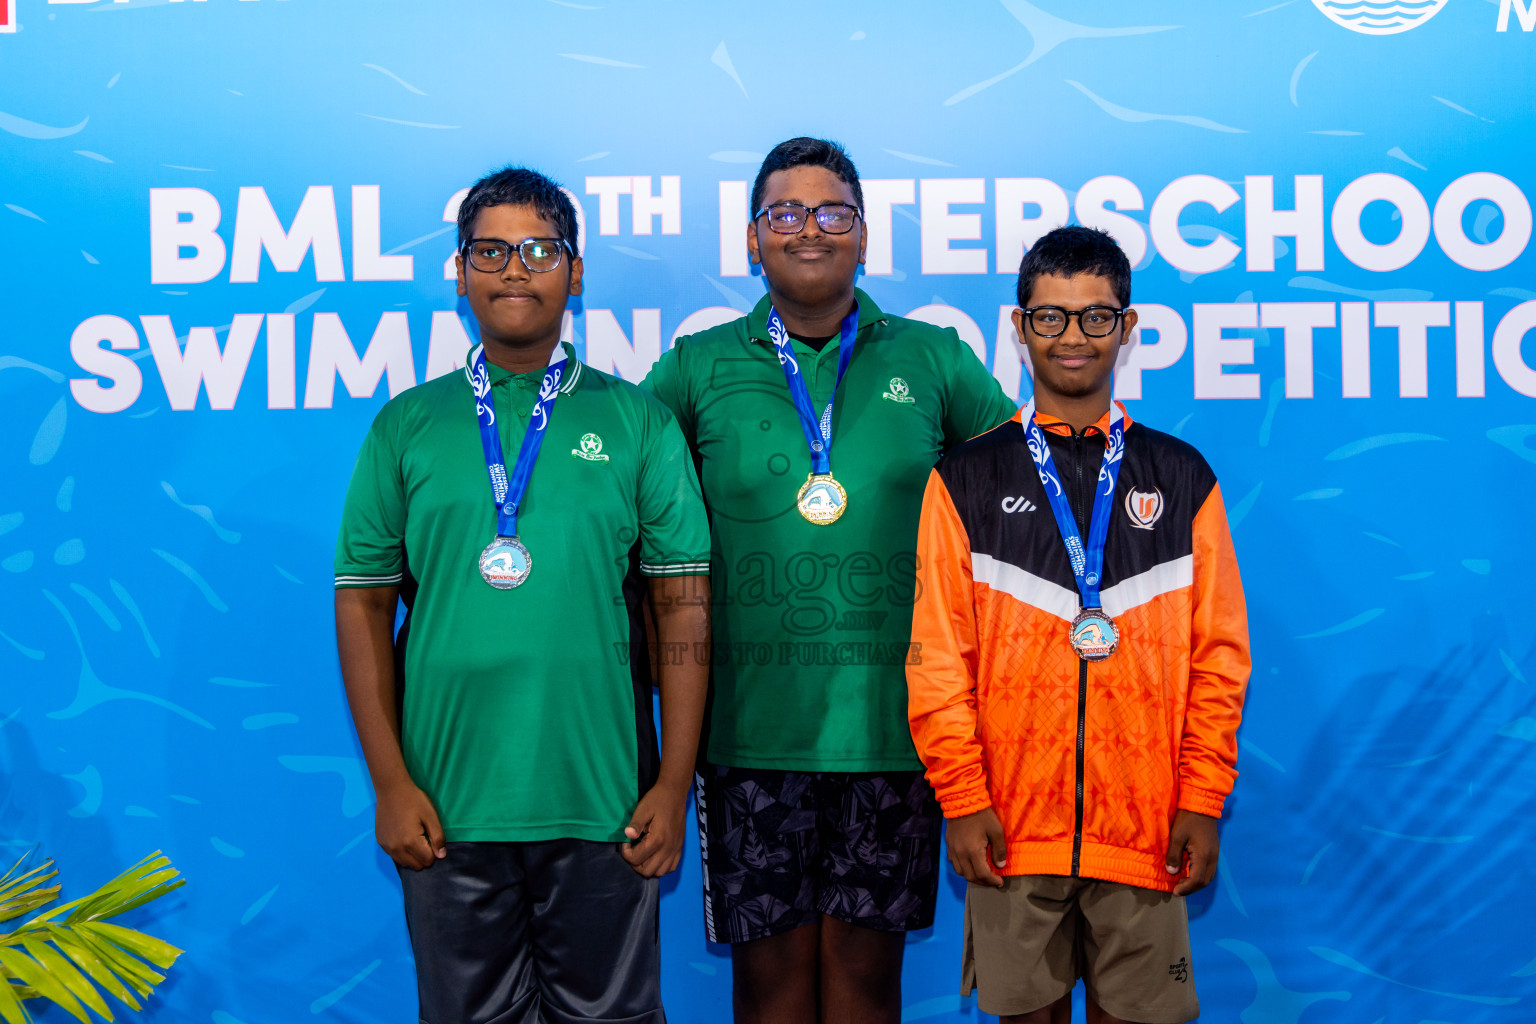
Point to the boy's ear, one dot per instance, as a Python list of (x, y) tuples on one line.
[(458, 265), (576, 269), (1127, 325), (755, 254), (863, 238)]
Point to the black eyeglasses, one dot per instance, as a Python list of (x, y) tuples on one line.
[(491, 255), (789, 218), (1094, 321)]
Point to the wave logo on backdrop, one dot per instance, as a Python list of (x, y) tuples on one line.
[(7, 15), (1377, 18)]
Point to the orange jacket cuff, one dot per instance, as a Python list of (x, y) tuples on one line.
[(958, 805), (1201, 801)]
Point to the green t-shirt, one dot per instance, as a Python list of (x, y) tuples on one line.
[(524, 714), (812, 624)]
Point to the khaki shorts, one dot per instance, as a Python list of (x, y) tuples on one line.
[(1027, 943)]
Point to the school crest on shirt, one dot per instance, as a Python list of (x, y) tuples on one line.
[(591, 449), (899, 392), (1144, 508)]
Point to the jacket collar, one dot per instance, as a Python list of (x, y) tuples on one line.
[(1057, 426), (757, 320)]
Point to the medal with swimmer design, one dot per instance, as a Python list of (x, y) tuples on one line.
[(505, 563), (1093, 634), (821, 500)]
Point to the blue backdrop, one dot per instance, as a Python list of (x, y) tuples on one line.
[(254, 192)]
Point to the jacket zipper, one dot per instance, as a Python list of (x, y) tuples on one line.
[(1082, 679), (1082, 704)]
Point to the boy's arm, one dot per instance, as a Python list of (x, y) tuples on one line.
[(976, 402), (406, 823), (1218, 677), (941, 687), (680, 605), (665, 383), (370, 566), (674, 555), (1218, 668)]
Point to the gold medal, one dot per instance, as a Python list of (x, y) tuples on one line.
[(821, 499)]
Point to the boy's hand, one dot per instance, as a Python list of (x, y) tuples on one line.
[(1195, 834), (407, 828), (655, 832), (969, 839)]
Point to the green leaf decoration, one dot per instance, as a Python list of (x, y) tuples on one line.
[(58, 967), (135, 973), (11, 1010), (21, 894), (37, 976), (70, 954), (91, 964)]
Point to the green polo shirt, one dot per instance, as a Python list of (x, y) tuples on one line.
[(812, 624), (525, 716)]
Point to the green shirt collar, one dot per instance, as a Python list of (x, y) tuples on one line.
[(757, 320), (573, 375)]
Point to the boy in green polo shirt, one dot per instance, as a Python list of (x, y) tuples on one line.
[(821, 836), (508, 727)]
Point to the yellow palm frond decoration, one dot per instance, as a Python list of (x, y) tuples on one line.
[(64, 954)]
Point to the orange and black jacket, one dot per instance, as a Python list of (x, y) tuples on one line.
[(1085, 764)]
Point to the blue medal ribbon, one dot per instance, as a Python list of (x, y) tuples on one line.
[(818, 432), (508, 492), (1087, 563)]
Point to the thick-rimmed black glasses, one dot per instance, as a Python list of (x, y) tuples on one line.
[(1094, 321), (491, 255), (789, 218)]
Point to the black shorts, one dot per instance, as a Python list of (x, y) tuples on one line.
[(555, 932), (782, 848)]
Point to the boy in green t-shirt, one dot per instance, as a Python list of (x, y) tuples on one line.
[(816, 419), (517, 508)]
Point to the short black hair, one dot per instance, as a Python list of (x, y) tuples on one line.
[(519, 186), (807, 152), (1075, 250)]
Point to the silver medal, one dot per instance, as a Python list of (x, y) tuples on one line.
[(505, 563)]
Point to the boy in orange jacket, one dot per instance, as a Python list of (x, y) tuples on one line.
[(1084, 653)]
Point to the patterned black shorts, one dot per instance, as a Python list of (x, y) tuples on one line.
[(781, 848)]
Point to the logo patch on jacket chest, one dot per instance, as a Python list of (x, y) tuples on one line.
[(1144, 508)]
